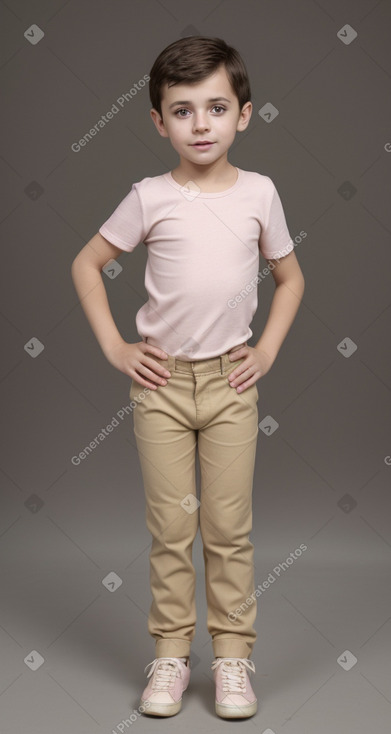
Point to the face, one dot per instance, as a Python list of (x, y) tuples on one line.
[(207, 110)]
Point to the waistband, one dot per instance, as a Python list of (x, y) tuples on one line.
[(200, 366)]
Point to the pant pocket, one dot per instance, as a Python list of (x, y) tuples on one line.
[(250, 394), (134, 387)]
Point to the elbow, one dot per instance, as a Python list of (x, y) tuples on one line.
[(75, 267), (297, 285), (301, 286)]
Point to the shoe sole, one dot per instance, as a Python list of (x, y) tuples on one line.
[(235, 712), (161, 709)]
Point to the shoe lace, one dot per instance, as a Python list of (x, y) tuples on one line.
[(166, 670), (233, 673)]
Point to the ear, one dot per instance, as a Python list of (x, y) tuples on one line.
[(245, 116), (158, 122)]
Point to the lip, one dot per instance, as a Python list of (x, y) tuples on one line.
[(202, 144)]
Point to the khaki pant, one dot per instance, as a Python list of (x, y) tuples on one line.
[(198, 404)]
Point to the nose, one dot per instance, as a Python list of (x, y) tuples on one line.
[(200, 121)]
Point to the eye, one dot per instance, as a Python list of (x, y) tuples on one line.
[(183, 109)]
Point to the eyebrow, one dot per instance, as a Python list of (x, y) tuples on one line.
[(211, 99)]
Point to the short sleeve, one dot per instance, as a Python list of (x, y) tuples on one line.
[(275, 241), (125, 226)]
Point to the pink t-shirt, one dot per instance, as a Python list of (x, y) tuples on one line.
[(203, 249)]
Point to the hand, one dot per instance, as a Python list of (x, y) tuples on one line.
[(256, 364), (133, 361)]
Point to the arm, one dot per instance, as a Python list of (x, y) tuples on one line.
[(131, 359), (88, 282), (289, 281), (258, 360)]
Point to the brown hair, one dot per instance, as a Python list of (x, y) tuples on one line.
[(194, 58)]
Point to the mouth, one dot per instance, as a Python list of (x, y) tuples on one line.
[(203, 144)]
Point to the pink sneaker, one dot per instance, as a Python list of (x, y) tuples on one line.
[(163, 694), (235, 697)]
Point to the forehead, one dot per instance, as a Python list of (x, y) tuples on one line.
[(215, 85)]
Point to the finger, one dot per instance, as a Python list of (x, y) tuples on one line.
[(157, 374), (244, 385), (153, 365), (241, 375), (144, 382), (153, 350), (237, 372), (150, 379), (237, 354)]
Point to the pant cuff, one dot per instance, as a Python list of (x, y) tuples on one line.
[(172, 647), (232, 647)]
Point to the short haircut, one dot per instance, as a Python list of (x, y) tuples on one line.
[(194, 58)]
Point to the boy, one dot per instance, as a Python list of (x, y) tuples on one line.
[(193, 374)]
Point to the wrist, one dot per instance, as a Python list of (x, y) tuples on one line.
[(109, 347), (266, 349)]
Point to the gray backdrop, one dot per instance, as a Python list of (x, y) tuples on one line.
[(74, 545)]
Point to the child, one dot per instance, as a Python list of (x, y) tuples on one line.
[(193, 374)]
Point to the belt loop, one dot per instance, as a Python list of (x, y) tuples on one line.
[(171, 363), (221, 364)]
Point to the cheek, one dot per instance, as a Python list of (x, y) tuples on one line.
[(177, 133), (177, 142), (230, 133)]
